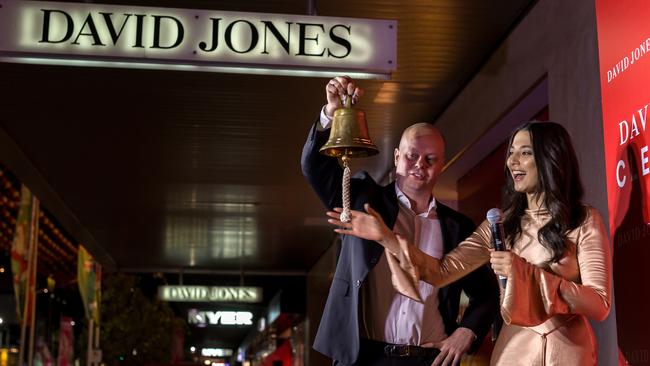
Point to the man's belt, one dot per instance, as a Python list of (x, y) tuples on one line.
[(405, 350), (397, 350)]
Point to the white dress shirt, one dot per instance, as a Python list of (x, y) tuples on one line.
[(393, 318)]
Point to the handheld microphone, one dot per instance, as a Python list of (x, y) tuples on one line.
[(495, 218)]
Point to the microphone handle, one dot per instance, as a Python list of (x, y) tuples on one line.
[(497, 240), (497, 236)]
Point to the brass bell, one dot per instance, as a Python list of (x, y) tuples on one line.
[(349, 134)]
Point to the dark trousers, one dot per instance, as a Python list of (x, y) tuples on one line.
[(382, 360), (371, 354)]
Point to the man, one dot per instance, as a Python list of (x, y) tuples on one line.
[(365, 321)]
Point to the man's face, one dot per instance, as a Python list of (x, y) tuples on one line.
[(419, 160)]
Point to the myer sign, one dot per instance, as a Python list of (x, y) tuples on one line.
[(202, 318), (210, 294), (131, 36)]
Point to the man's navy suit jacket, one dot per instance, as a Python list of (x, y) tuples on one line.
[(338, 332)]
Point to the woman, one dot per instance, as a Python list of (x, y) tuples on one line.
[(558, 266)]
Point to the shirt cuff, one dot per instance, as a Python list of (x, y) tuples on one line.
[(325, 121)]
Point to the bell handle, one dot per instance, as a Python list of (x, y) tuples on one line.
[(347, 100)]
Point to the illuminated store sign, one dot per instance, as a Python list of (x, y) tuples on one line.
[(216, 352), (203, 318), (210, 294), (207, 40)]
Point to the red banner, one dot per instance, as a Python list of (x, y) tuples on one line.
[(66, 343), (624, 47), (624, 55)]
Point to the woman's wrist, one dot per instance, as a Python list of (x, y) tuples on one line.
[(390, 242)]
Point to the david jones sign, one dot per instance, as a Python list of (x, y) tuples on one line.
[(195, 37), (210, 294)]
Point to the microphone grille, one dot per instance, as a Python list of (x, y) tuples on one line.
[(494, 216)]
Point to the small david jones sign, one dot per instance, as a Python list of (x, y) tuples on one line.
[(210, 294)]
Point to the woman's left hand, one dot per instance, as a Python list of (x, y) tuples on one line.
[(501, 262)]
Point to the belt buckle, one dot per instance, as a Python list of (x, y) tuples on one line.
[(398, 350)]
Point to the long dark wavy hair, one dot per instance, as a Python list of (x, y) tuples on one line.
[(558, 183)]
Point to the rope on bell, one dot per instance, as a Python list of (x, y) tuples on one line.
[(346, 215)]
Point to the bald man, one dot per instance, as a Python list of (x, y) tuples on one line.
[(365, 321)]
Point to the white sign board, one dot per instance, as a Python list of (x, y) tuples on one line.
[(210, 294), (136, 35), (216, 352)]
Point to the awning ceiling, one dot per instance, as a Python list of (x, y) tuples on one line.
[(169, 170)]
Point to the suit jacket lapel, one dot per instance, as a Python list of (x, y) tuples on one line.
[(448, 227), (386, 205), (390, 202)]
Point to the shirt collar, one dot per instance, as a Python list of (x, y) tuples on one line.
[(401, 197)]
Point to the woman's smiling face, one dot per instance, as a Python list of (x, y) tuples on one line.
[(521, 163)]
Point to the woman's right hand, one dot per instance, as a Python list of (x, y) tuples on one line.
[(369, 225), (366, 225)]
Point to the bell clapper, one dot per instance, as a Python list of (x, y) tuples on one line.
[(346, 215)]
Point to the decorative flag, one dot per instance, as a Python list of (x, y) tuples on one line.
[(89, 277), (66, 342), (23, 251), (42, 356)]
